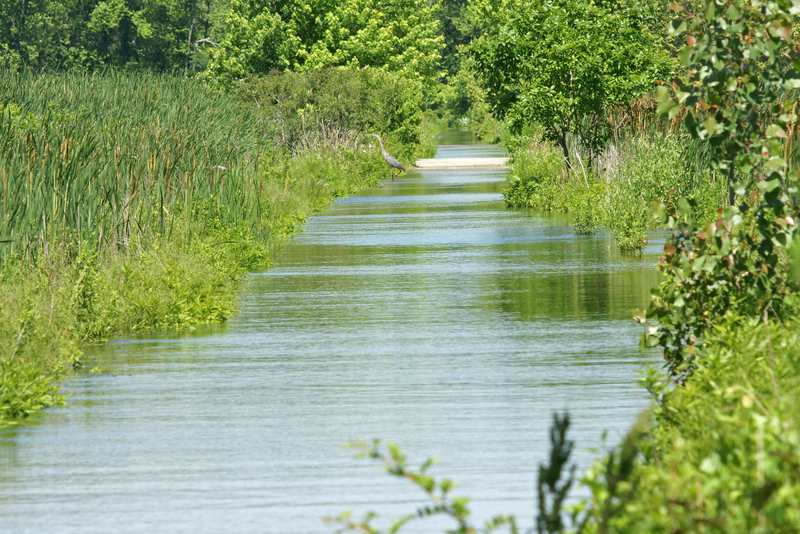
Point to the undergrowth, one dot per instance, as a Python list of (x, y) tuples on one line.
[(620, 189)]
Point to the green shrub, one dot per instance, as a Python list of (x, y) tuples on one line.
[(588, 209), (657, 169), (739, 262), (332, 108), (647, 171), (724, 453), (586, 220), (537, 180)]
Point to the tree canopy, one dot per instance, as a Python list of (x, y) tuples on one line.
[(560, 63), (93, 34), (264, 35)]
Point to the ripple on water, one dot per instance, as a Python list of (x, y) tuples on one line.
[(422, 312)]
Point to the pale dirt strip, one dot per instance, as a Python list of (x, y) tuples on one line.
[(461, 164)]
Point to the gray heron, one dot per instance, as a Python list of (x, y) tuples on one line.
[(393, 163)]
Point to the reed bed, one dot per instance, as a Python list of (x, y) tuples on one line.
[(116, 159)]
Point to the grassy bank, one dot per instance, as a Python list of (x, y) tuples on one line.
[(137, 202), (722, 454), (620, 187)]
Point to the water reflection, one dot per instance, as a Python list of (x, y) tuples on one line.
[(421, 312)]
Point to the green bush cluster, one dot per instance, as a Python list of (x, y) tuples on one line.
[(537, 179), (722, 454), (401, 37), (586, 219), (653, 170), (333, 108)]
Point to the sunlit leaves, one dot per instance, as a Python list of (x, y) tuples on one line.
[(441, 502), (736, 96), (400, 37), (560, 63)]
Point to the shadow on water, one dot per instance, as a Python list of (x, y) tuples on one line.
[(422, 312)]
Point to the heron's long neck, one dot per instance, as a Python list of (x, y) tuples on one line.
[(381, 143)]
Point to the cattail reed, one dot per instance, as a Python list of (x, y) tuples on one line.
[(98, 145)]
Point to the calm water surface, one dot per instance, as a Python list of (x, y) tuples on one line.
[(422, 312)]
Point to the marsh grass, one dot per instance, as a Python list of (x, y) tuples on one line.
[(112, 158)]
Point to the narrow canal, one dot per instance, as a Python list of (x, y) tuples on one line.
[(422, 312)]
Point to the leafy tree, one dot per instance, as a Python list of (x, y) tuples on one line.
[(562, 63), (265, 35), (66, 34), (739, 94), (295, 108)]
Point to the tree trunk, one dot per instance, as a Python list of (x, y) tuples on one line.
[(191, 30), (562, 141)]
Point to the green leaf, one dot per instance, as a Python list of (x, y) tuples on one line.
[(711, 9), (775, 163), (684, 208), (665, 107), (769, 185), (676, 27), (711, 125)]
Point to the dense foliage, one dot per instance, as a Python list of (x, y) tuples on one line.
[(633, 175), (263, 36), (723, 456), (561, 63), (134, 34), (739, 94), (335, 107)]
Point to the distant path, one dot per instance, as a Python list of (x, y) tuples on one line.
[(454, 164)]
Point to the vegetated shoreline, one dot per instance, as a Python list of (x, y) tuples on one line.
[(178, 290), (648, 163), (135, 203)]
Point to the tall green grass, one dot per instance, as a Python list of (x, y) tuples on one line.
[(619, 189), (116, 158), (648, 160)]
